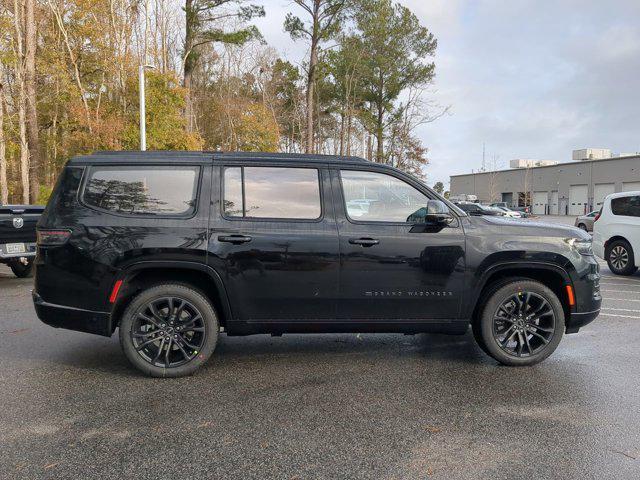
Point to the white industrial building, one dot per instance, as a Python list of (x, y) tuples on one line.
[(571, 188)]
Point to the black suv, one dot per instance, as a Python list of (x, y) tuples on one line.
[(174, 247)]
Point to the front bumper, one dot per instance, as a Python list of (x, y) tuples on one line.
[(70, 318), (578, 320)]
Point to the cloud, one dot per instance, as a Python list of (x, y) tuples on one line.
[(530, 78)]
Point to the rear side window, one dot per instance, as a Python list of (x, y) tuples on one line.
[(138, 190), (272, 192), (627, 206)]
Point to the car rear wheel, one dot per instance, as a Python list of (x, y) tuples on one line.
[(22, 270), (582, 226), (620, 258), (521, 323), (169, 330)]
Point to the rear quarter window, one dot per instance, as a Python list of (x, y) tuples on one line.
[(142, 190), (626, 206)]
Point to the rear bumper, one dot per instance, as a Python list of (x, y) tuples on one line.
[(30, 253), (70, 318)]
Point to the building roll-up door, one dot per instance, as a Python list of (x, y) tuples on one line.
[(578, 199), (540, 200), (631, 186), (601, 190), (553, 204)]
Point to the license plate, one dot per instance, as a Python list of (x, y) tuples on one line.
[(15, 248)]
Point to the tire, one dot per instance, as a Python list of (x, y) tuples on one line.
[(620, 258), (21, 270), (161, 345), (527, 342), (582, 226)]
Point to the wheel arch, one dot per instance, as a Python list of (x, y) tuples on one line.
[(553, 276), (141, 275)]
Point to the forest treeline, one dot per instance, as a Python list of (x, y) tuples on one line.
[(69, 82)]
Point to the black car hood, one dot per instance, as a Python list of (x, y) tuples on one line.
[(516, 226)]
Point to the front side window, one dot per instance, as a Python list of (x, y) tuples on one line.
[(627, 206), (377, 197), (144, 190), (272, 192)]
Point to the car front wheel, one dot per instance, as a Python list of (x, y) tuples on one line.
[(169, 330), (521, 323), (620, 258)]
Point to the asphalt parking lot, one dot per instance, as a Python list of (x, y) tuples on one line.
[(322, 406)]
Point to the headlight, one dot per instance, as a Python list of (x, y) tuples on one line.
[(583, 247)]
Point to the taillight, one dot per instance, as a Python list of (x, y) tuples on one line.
[(49, 238), (597, 216)]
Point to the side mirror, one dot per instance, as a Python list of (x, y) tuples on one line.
[(435, 213)]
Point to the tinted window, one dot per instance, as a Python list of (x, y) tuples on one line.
[(156, 190), (377, 197), (627, 206), (272, 192)]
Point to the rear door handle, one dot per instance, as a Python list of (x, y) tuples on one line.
[(235, 239), (365, 242)]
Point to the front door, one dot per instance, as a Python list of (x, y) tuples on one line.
[(392, 269), (274, 240)]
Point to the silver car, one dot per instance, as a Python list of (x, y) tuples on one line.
[(585, 222)]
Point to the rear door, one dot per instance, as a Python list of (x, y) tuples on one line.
[(274, 239), (392, 269)]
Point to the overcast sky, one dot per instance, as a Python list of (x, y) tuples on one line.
[(530, 78)]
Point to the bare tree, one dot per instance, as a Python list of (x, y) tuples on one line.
[(4, 186), (33, 138), (18, 23)]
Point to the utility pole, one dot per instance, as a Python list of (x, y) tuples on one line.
[(143, 108)]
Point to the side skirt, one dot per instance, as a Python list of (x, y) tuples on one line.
[(279, 327)]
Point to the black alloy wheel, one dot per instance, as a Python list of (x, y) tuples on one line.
[(169, 330), (522, 322)]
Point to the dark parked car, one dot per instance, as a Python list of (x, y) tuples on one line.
[(476, 209), (18, 237), (173, 247)]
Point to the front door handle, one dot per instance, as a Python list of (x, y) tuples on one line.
[(365, 242), (235, 239)]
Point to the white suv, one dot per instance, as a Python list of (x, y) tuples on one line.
[(616, 232)]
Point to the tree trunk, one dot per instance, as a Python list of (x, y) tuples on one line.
[(311, 83), (189, 61), (30, 42), (4, 186), (22, 100), (311, 78), (380, 135)]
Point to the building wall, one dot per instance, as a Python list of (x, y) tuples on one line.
[(489, 186)]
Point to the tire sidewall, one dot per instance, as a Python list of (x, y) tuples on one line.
[(181, 291), (500, 295), (21, 270), (630, 267)]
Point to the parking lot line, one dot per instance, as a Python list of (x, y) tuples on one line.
[(622, 309), (616, 315), (619, 291)]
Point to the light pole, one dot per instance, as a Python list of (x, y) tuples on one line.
[(143, 110)]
